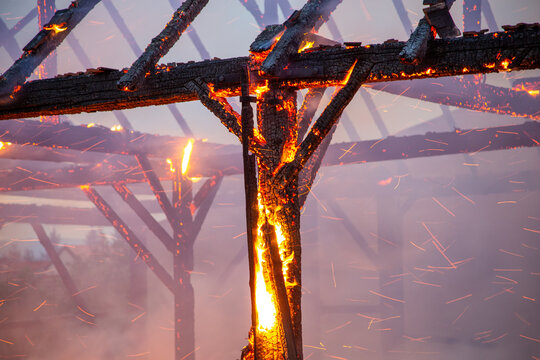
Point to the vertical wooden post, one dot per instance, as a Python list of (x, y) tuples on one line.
[(184, 298)]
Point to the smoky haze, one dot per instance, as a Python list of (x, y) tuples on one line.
[(436, 257)]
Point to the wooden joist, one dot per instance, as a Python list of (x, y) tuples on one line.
[(517, 49)]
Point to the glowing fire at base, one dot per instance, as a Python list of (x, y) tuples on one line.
[(266, 302), (186, 156)]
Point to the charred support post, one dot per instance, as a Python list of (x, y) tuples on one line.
[(129, 236), (184, 297), (62, 272), (415, 50), (161, 44), (252, 212)]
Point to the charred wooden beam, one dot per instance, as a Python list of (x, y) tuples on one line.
[(62, 271), (100, 139), (161, 44), (130, 237), (438, 16), (312, 15), (46, 214), (205, 205), (469, 94), (145, 216), (45, 42), (515, 49), (445, 143)]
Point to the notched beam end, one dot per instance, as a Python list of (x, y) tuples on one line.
[(416, 48)]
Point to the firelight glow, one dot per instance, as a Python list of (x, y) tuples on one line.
[(56, 28), (186, 156)]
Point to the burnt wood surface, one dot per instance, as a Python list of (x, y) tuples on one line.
[(161, 44), (515, 49), (45, 42)]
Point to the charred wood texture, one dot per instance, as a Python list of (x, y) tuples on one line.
[(438, 16), (161, 44), (323, 125), (515, 49), (468, 93), (416, 48), (138, 247), (308, 109), (312, 15), (45, 42)]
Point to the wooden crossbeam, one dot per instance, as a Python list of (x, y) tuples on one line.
[(518, 49)]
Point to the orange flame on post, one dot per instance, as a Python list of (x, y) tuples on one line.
[(187, 155), (56, 27), (117, 128), (4, 145), (306, 45), (171, 167)]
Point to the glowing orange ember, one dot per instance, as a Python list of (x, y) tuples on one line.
[(306, 45), (171, 167), (90, 125), (117, 128), (56, 27)]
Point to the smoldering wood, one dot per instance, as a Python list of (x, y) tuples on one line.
[(278, 282), (327, 67), (161, 44), (131, 238), (312, 15), (308, 109), (45, 42), (251, 201), (468, 94), (415, 49), (145, 216), (323, 125), (61, 269)]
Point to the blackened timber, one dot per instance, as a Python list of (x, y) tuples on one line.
[(517, 49), (63, 272), (100, 139), (144, 215), (312, 15), (415, 50), (205, 205), (468, 94), (161, 44), (433, 144), (45, 42), (251, 205), (130, 237)]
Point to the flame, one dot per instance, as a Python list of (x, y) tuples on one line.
[(349, 73), (85, 187), (261, 89), (171, 167), (306, 45), (90, 125), (505, 64), (56, 27), (533, 92), (117, 128), (4, 145), (186, 156)]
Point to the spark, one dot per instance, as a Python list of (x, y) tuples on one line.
[(444, 207), (333, 275), (338, 327), (493, 340), (40, 305), (511, 253), (463, 196), (7, 342), (458, 299), (528, 298), (499, 293), (529, 338), (138, 317), (439, 246), (386, 297), (425, 283), (81, 291), (460, 315), (531, 230), (86, 312)]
